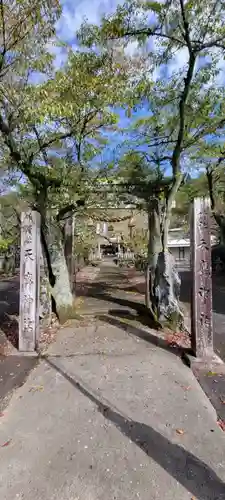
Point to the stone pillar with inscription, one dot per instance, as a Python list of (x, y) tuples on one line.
[(201, 303), (29, 281)]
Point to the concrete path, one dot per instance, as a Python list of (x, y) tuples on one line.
[(108, 292), (107, 415)]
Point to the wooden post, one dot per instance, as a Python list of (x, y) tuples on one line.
[(29, 281), (201, 303)]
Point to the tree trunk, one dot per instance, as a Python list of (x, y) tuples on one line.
[(154, 249), (68, 248), (164, 282), (52, 240), (221, 223), (45, 292), (147, 289), (222, 234)]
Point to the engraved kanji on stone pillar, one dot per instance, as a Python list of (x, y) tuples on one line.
[(201, 303), (29, 281)]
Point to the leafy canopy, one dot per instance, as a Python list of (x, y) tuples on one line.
[(52, 131), (185, 101)]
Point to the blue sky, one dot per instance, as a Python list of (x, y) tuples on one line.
[(73, 13)]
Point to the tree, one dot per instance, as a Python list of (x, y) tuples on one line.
[(210, 156), (216, 185), (191, 188), (143, 182), (184, 105), (54, 142)]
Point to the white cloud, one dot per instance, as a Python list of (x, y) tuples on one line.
[(132, 48), (74, 12), (179, 61), (59, 53)]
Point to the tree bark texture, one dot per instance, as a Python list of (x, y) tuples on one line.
[(164, 280), (59, 279)]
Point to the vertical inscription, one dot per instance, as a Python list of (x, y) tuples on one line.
[(29, 281), (201, 303)]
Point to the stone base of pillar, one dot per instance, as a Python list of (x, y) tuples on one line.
[(210, 374), (211, 363), (28, 354)]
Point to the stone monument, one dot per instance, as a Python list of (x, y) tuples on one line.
[(201, 303), (29, 281)]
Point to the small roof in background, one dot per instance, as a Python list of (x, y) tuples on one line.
[(185, 242)]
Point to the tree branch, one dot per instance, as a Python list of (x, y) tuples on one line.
[(56, 138), (209, 175), (69, 134), (3, 29), (148, 32), (186, 33), (219, 43), (45, 156), (184, 95), (63, 211), (36, 178)]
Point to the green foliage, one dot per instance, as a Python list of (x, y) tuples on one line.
[(25, 29), (210, 156), (138, 243), (5, 244), (85, 237), (185, 104), (10, 209), (54, 142), (192, 188), (141, 262)]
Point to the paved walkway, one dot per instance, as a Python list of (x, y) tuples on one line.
[(218, 304), (108, 415)]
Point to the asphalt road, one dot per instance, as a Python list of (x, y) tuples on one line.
[(9, 295), (9, 310)]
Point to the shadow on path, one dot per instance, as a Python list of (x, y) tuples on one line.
[(192, 473), (14, 371), (141, 334), (101, 292)]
